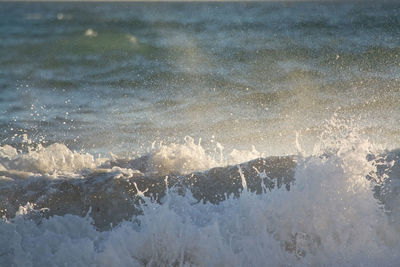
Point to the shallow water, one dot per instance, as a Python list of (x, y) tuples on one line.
[(200, 134)]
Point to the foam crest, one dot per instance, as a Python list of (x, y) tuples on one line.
[(181, 158), (239, 156), (329, 217), (164, 159), (191, 156), (53, 160)]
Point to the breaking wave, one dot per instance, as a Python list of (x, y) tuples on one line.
[(180, 205)]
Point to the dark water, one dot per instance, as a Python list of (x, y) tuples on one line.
[(200, 134)]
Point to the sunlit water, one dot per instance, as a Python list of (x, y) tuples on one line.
[(200, 134)]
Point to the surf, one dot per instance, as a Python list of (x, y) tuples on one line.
[(335, 206)]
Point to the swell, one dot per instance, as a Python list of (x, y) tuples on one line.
[(112, 193)]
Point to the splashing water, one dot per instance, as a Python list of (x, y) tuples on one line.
[(54, 159), (328, 217), (81, 82)]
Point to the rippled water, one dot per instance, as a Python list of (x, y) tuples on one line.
[(116, 77), (200, 134)]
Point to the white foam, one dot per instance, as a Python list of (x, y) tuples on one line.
[(132, 39), (181, 158), (191, 156), (164, 159), (90, 33), (330, 217), (54, 159)]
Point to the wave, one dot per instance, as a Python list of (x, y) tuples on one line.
[(179, 205), (64, 181)]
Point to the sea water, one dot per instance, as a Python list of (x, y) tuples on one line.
[(200, 134)]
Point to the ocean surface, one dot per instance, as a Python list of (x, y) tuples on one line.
[(200, 134)]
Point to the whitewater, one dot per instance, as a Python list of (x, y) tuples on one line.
[(180, 206)]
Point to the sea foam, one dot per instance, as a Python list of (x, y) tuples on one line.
[(329, 216)]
